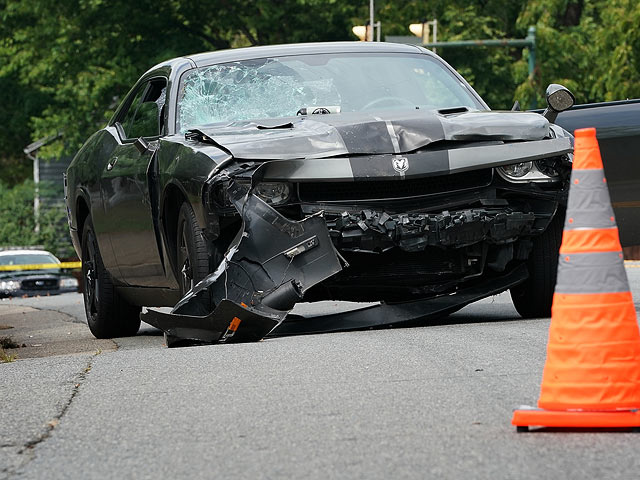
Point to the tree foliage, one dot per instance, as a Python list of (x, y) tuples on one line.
[(67, 64), (82, 56), (18, 222)]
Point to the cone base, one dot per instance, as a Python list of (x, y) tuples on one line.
[(575, 419)]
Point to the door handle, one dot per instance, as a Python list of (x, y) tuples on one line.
[(111, 163)]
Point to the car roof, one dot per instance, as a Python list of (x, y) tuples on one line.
[(221, 56), (25, 252)]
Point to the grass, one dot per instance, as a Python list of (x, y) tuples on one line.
[(5, 357), (7, 342)]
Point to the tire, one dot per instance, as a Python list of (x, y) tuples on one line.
[(534, 297), (192, 258), (108, 314)]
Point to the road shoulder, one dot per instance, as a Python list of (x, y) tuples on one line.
[(45, 333)]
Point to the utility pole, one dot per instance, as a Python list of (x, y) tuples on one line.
[(367, 32), (36, 196), (371, 18)]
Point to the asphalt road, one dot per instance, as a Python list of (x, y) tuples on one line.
[(427, 402)]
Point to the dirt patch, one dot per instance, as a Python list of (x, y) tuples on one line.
[(7, 342)]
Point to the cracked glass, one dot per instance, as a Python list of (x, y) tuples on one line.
[(282, 87)]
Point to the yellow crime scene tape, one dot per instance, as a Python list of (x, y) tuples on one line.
[(40, 266), (72, 265)]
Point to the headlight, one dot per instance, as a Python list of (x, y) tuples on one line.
[(517, 170), (540, 171), (68, 283), (548, 167), (274, 193), (9, 285)]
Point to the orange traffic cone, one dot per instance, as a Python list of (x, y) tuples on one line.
[(591, 377)]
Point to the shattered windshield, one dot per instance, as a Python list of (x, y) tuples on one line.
[(286, 86)]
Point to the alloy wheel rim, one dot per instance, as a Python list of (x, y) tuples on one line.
[(90, 278), (186, 271)]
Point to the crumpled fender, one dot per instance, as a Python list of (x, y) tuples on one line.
[(268, 267)]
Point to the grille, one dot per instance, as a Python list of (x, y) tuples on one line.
[(40, 284), (371, 190), (396, 267)]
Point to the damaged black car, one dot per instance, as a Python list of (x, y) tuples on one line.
[(232, 185)]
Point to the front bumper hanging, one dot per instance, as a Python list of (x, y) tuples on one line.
[(268, 267), (273, 261)]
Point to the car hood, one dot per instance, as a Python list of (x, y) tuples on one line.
[(357, 133)]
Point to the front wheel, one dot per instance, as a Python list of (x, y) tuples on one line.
[(192, 258), (108, 314), (534, 297)]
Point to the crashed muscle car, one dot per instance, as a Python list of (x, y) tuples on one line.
[(232, 185)]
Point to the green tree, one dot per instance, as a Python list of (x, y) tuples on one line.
[(488, 69), (83, 56), (67, 64), (590, 46), (17, 220)]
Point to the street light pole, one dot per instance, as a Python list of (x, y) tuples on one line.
[(372, 30), (435, 34), (36, 196), (371, 18)]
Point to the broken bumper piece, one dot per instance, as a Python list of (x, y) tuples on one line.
[(228, 323), (268, 267), (405, 314)]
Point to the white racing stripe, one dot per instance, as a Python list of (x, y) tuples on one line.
[(394, 137), (396, 149)]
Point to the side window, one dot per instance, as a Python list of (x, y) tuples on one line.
[(145, 115)]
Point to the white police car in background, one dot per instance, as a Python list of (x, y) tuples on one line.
[(27, 272)]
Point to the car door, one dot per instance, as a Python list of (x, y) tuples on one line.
[(618, 129), (125, 187)]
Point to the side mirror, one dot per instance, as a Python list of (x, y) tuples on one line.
[(559, 99)]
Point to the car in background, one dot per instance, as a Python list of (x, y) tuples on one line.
[(21, 274)]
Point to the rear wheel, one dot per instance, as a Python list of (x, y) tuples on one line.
[(108, 314), (534, 297)]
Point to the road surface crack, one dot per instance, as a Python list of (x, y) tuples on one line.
[(27, 448)]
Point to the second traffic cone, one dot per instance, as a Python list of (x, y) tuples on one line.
[(591, 377)]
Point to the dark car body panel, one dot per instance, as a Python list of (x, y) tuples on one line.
[(617, 127)]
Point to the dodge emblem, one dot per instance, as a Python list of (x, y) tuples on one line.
[(400, 164)]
